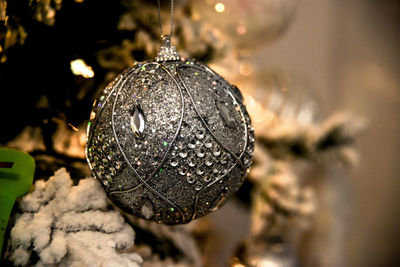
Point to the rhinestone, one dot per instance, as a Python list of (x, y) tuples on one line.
[(207, 178), (198, 186), (208, 145), (138, 121), (104, 146), (180, 145), (183, 154), (249, 151), (224, 158), (182, 171), (216, 152), (191, 162), (226, 116), (192, 144), (200, 134), (190, 179), (118, 165), (200, 153), (199, 171), (102, 170), (174, 163)]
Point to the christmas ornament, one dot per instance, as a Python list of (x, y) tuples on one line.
[(170, 140)]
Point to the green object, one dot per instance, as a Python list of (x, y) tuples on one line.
[(16, 176)]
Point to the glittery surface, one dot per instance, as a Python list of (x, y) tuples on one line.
[(170, 141)]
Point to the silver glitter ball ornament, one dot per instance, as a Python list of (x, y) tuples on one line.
[(170, 140)]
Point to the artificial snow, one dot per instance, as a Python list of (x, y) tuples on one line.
[(70, 225)]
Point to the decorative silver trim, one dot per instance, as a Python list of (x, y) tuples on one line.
[(167, 52)]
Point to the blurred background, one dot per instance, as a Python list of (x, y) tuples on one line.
[(348, 53), (299, 63)]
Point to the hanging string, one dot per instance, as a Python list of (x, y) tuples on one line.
[(159, 17), (172, 17)]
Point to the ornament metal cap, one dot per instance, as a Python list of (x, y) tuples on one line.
[(167, 52)]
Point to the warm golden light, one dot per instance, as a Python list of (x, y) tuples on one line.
[(219, 7), (73, 127), (259, 113), (79, 67), (246, 69), (82, 139), (241, 29)]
